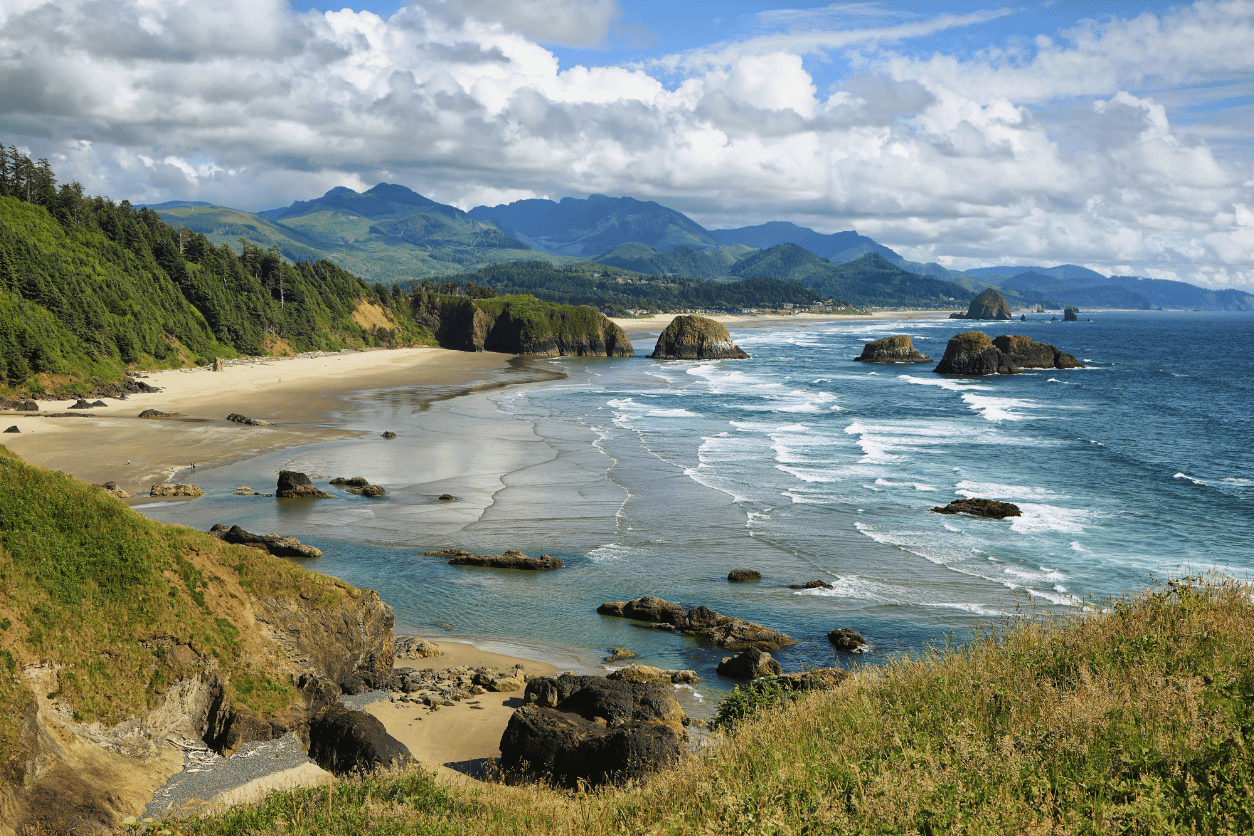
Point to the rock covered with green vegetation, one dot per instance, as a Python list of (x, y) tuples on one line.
[(1029, 354), (118, 632), (519, 325), (696, 338), (898, 349), (973, 353), (988, 305)]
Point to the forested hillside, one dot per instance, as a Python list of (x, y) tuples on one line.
[(89, 287)]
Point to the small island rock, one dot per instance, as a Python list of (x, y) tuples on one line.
[(899, 349), (1070, 314), (816, 584), (1029, 354), (170, 489), (696, 338), (990, 508), (510, 560), (973, 353), (294, 485), (988, 305), (744, 575), (750, 663), (847, 640)]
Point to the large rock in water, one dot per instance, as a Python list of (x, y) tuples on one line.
[(520, 325), (988, 305), (510, 560), (702, 622), (696, 338), (1029, 354), (973, 353), (899, 349), (990, 508), (1070, 314), (294, 485), (750, 663), (277, 545), (586, 729)]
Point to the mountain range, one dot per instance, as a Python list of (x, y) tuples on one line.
[(391, 234)]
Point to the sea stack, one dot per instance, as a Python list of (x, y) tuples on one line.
[(988, 305), (973, 353), (696, 338), (1029, 354), (899, 349)]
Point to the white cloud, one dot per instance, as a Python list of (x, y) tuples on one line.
[(1066, 152)]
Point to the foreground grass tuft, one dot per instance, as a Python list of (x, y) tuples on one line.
[(1134, 720)]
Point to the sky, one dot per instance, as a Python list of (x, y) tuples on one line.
[(1115, 135)]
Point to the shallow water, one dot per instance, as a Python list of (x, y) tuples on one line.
[(652, 477)]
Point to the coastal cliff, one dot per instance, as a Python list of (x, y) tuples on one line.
[(519, 325), (120, 633)]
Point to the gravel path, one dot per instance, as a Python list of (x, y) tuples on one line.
[(205, 774)]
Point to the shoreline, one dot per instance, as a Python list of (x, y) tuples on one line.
[(655, 323)]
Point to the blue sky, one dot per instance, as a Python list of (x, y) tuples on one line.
[(1116, 135)]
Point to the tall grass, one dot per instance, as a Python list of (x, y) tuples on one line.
[(1136, 719)]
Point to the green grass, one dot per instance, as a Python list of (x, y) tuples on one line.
[(1132, 720)]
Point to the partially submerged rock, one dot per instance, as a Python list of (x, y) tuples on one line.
[(744, 575), (510, 560), (973, 353), (617, 654), (990, 508), (273, 543), (847, 640), (295, 485), (387, 434), (696, 338), (815, 584), (236, 418), (1029, 354), (988, 305), (156, 413), (899, 349), (648, 673), (1070, 314), (701, 621), (172, 489), (750, 663)]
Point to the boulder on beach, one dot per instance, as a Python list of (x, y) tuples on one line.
[(744, 575), (700, 621), (156, 413), (988, 305), (112, 488), (236, 418), (80, 404), (387, 434), (295, 485), (750, 663), (413, 647), (348, 742), (990, 508), (172, 489), (1026, 353), (275, 544), (510, 560), (13, 429), (691, 337), (18, 405), (899, 349), (973, 353), (847, 640)]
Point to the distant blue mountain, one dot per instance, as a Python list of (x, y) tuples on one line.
[(386, 200), (591, 226), (1069, 284), (174, 204), (838, 247)]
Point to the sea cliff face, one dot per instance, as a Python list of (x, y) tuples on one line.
[(520, 325)]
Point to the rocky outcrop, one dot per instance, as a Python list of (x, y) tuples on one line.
[(348, 643), (349, 742), (701, 621), (990, 508), (436, 688), (413, 647), (973, 353), (118, 389), (81, 404), (387, 434), (272, 543), (510, 560), (696, 338), (112, 488), (594, 731), (648, 673), (13, 429), (236, 418), (520, 325), (750, 663), (294, 485), (18, 405), (816, 584), (172, 489), (358, 485), (1071, 314), (744, 575), (1029, 354), (988, 305), (847, 640), (817, 679), (899, 349), (156, 413)]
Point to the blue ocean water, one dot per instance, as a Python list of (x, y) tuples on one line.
[(652, 477)]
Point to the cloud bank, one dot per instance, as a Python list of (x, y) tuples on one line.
[(1060, 150)]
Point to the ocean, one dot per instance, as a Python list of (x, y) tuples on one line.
[(658, 478)]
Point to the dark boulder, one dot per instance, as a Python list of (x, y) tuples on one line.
[(387, 434), (973, 353), (696, 338), (701, 621), (297, 485), (80, 404), (744, 575), (988, 305), (510, 560), (990, 508), (13, 429), (750, 663), (811, 585), (1070, 314), (18, 405), (156, 413), (847, 640), (614, 702), (349, 742), (818, 679), (570, 750), (372, 491), (649, 608), (1023, 317), (899, 349), (272, 543), (354, 481), (1029, 354), (236, 418)]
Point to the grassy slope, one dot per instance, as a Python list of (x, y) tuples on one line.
[(107, 594), (1136, 720)]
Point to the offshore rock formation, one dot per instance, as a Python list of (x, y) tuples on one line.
[(510, 560), (293, 484), (744, 575), (899, 349), (702, 622), (520, 325), (275, 544), (1071, 314), (1029, 354), (696, 338), (750, 663), (847, 640), (990, 508), (973, 353), (169, 489), (988, 305)]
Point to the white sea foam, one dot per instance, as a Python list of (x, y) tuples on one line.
[(971, 489), (1076, 547), (1038, 517), (946, 383), (918, 486), (610, 552), (853, 587), (998, 409)]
